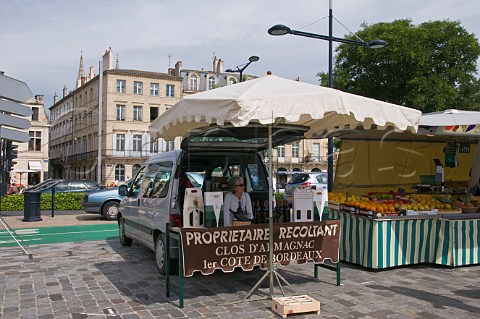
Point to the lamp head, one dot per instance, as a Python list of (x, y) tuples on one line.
[(229, 70), (377, 44), (279, 29), (253, 58)]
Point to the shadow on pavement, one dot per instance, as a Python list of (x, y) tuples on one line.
[(135, 275)]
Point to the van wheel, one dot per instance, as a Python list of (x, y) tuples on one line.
[(160, 257), (110, 210), (124, 240)]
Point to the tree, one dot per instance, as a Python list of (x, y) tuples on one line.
[(430, 67)]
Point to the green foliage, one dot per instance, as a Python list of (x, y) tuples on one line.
[(63, 201), (337, 143), (279, 196), (430, 67)]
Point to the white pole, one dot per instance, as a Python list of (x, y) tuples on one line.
[(100, 107)]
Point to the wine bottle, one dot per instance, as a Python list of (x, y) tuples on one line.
[(265, 212)]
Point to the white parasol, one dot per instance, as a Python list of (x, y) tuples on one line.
[(269, 100)]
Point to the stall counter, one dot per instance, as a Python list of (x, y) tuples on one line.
[(383, 243)]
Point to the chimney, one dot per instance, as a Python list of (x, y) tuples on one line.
[(40, 99), (55, 98), (220, 66), (178, 68), (91, 74), (64, 91), (84, 80), (108, 59), (215, 64)]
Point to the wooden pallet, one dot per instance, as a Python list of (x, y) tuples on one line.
[(295, 304)]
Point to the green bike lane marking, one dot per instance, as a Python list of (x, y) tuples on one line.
[(60, 234)]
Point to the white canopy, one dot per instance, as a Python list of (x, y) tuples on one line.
[(456, 123), (271, 99), (450, 117)]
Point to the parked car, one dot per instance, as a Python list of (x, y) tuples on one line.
[(104, 202), (69, 186), (316, 180), (49, 181)]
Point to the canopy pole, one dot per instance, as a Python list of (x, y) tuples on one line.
[(270, 211)]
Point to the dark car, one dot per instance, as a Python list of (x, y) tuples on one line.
[(104, 202), (50, 181), (68, 186), (316, 180)]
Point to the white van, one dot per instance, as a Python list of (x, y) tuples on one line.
[(155, 197)]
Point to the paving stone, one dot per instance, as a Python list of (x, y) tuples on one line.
[(103, 278)]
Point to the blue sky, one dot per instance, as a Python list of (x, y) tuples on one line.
[(41, 41)]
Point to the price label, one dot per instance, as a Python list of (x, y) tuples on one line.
[(464, 147)]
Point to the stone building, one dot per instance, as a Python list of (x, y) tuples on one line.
[(32, 159), (131, 100)]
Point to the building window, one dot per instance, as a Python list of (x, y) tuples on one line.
[(193, 83), (120, 172), (120, 112), (154, 89), (135, 169), (154, 147), (153, 113), (35, 142), (137, 142), (281, 150), (121, 86), (211, 83), (170, 146), (137, 113), (170, 90), (120, 142), (316, 150), (138, 88), (295, 149), (35, 114)]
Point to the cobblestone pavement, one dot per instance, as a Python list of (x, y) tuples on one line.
[(101, 279)]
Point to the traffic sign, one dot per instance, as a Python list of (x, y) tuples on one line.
[(14, 89), (15, 108), (13, 121), (14, 135)]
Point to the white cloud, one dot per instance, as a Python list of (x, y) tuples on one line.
[(41, 40)]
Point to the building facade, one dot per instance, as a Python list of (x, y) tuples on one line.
[(130, 101), (32, 159)]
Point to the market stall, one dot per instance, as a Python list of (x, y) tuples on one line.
[(272, 101), (389, 216)]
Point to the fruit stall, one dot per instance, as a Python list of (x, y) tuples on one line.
[(406, 198)]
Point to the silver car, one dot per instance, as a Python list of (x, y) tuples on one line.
[(316, 180)]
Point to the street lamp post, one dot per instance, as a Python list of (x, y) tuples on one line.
[(240, 69), (280, 29)]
